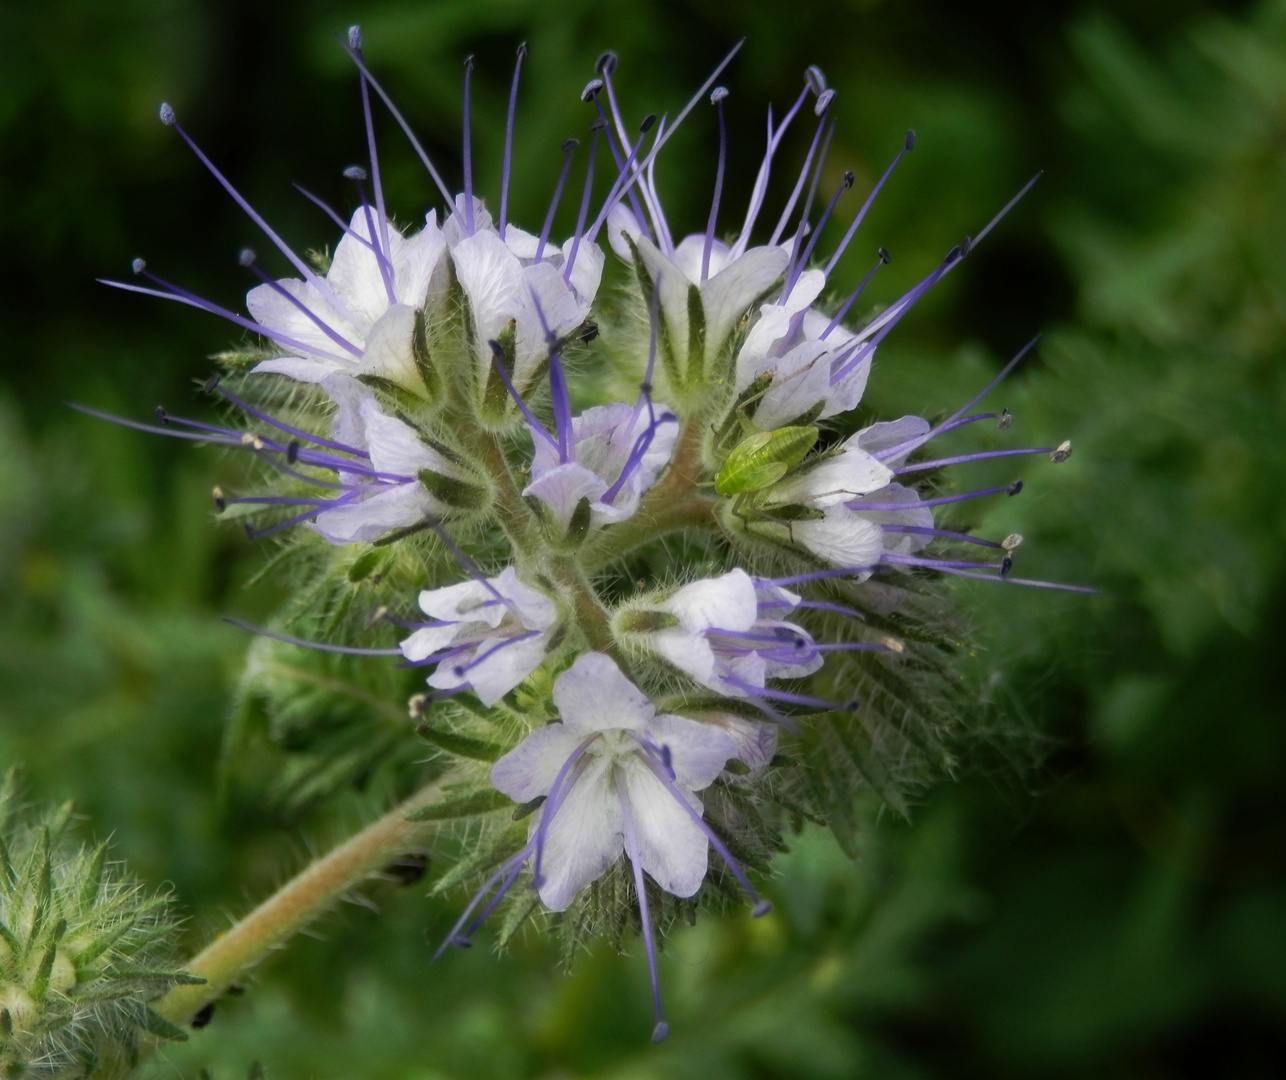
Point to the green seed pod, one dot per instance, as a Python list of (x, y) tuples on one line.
[(84, 950)]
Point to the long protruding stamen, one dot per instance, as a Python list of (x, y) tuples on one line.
[(259, 414), (654, 319), (619, 189), (170, 291), (823, 103), (796, 253), (638, 452), (468, 151), (662, 1029), (664, 136), (498, 354), (943, 534), (401, 122), (357, 174), (509, 140), (595, 128), (568, 148), (882, 259), (954, 419), (553, 803), (806, 254), (355, 43), (760, 907), (964, 459), (941, 500), (318, 283), (606, 68), (320, 646), (1007, 207), (907, 145), (760, 191), (247, 259), (664, 238), (716, 99), (560, 396), (454, 937)]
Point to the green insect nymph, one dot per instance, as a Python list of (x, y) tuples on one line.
[(763, 459)]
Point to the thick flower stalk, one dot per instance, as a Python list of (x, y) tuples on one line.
[(652, 627)]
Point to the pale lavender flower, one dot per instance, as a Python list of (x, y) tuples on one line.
[(485, 635), (616, 779)]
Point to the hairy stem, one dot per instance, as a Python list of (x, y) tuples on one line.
[(297, 903)]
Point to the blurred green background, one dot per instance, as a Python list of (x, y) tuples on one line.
[(1103, 892)]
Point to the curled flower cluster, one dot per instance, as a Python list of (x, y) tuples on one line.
[(429, 413)]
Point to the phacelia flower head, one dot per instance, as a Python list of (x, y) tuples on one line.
[(702, 604)]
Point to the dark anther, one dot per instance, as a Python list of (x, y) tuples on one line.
[(954, 255), (458, 671), (824, 100), (468, 63), (354, 37), (848, 179), (883, 253), (138, 266), (1005, 419), (648, 121), (910, 140), (592, 89), (815, 79), (210, 385), (497, 350), (522, 51), (462, 943), (606, 63), (718, 94), (416, 704), (852, 705), (966, 245), (235, 990), (409, 869), (645, 388), (570, 145), (167, 114), (247, 257), (1014, 488), (354, 172), (220, 503), (1006, 564), (203, 1015), (292, 451), (666, 757), (598, 125), (162, 415), (588, 330), (761, 909)]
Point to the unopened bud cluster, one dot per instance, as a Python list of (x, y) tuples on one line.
[(623, 543), (84, 950)]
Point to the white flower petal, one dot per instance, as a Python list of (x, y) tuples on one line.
[(533, 608), (891, 433), (729, 293), (414, 261), (843, 477), (492, 278), (388, 348), (621, 223), (427, 640), (395, 448), (689, 652), (593, 695), (278, 313), (843, 538), (467, 601), (672, 848), (584, 837), (727, 602), (395, 507), (502, 663), (530, 768), (698, 752), (354, 275), (300, 368), (914, 514), (563, 487), (756, 742)]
